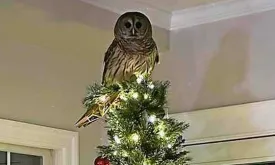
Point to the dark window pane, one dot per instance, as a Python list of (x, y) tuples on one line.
[(3, 158), (262, 163), (21, 159)]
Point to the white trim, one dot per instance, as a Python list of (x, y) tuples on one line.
[(190, 16), (236, 134), (239, 121), (218, 11), (44, 153), (234, 152), (8, 158), (63, 143)]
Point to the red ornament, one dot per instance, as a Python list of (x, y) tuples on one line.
[(107, 162), (101, 161)]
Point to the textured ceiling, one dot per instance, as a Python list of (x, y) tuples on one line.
[(173, 5)]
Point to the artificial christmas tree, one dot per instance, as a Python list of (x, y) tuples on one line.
[(135, 108), (139, 130)]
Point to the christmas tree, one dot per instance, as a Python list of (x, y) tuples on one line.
[(139, 129)]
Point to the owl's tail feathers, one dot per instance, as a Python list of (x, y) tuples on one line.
[(97, 110)]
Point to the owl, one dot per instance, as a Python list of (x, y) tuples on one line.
[(132, 53)]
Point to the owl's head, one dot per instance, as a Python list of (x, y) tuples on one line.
[(133, 25)]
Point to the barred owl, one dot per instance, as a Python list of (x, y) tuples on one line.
[(132, 52)]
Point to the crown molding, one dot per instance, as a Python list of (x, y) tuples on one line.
[(191, 16), (158, 17), (218, 11)]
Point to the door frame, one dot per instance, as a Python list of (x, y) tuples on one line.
[(63, 143)]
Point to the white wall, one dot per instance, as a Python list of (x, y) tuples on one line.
[(222, 63), (49, 52), (47, 60)]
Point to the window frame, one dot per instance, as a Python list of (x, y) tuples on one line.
[(11, 148), (63, 143), (239, 134)]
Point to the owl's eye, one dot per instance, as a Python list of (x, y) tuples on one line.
[(127, 25), (138, 25)]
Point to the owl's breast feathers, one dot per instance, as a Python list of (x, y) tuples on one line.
[(124, 59)]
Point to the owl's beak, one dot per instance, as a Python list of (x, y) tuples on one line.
[(133, 32)]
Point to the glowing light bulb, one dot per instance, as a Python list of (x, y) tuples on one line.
[(152, 118), (151, 86), (161, 133), (117, 140), (140, 79), (146, 96), (135, 95), (169, 145), (135, 137)]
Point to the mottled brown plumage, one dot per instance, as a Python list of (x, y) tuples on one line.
[(133, 52)]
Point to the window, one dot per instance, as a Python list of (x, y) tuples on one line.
[(263, 163), (234, 135), (21, 155), (55, 146)]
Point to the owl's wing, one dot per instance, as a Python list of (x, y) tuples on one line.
[(155, 50), (111, 50), (153, 60)]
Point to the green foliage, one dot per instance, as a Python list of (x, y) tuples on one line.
[(139, 129)]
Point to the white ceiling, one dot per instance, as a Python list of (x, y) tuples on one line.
[(216, 64), (178, 14), (174, 5)]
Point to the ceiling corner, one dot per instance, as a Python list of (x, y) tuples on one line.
[(220, 10), (157, 16), (187, 17)]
